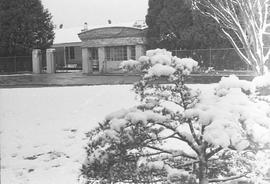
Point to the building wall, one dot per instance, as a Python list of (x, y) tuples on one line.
[(112, 66)]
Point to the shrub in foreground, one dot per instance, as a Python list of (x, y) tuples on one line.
[(179, 134)]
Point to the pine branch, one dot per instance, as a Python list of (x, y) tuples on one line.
[(171, 153), (227, 179), (194, 162), (213, 152), (181, 137), (151, 154), (195, 137), (168, 137)]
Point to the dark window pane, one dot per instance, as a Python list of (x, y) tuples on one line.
[(72, 52), (133, 52)]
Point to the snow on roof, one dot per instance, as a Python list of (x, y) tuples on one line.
[(70, 35)]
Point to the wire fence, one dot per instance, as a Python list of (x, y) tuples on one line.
[(218, 59), (15, 64)]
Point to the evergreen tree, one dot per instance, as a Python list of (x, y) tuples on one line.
[(24, 25), (179, 134), (173, 24)]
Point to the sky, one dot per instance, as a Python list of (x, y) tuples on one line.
[(73, 13)]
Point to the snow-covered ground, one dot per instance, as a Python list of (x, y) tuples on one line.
[(43, 129)]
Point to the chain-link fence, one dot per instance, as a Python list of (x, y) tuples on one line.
[(219, 59), (15, 64)]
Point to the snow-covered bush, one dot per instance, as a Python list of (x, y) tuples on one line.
[(130, 65), (178, 134), (262, 84)]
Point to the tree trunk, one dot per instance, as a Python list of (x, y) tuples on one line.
[(203, 179)]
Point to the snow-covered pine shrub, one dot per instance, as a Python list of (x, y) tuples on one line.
[(180, 135)]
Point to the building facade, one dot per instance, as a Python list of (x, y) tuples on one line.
[(68, 55), (103, 49), (68, 48), (100, 49)]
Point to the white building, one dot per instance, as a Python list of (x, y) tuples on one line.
[(99, 49)]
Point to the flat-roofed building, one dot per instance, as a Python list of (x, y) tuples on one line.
[(103, 49), (99, 49)]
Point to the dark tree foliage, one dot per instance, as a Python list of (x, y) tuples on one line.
[(24, 25), (174, 24)]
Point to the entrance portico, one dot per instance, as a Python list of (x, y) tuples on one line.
[(103, 49)]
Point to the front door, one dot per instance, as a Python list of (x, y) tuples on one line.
[(93, 57)]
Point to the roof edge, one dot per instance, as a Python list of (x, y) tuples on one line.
[(110, 28), (67, 44)]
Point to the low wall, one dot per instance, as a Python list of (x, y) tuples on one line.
[(205, 78), (112, 67)]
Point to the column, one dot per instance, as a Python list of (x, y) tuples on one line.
[(128, 52), (50, 60), (139, 51), (101, 59), (37, 61), (65, 56), (86, 64)]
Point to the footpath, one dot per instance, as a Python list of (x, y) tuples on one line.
[(63, 79), (79, 79)]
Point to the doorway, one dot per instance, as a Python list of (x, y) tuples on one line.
[(93, 57)]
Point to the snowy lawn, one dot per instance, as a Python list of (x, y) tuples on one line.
[(43, 129)]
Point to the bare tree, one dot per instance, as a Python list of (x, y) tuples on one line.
[(247, 19)]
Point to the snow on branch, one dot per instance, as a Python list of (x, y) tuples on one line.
[(227, 179), (244, 21), (173, 153), (178, 134)]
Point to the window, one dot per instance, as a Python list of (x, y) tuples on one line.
[(70, 52), (93, 53), (132, 52), (116, 53)]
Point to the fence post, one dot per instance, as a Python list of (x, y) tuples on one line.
[(210, 57), (36, 61), (50, 60), (15, 63)]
